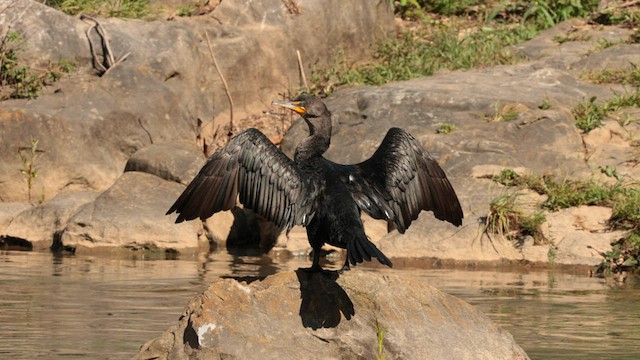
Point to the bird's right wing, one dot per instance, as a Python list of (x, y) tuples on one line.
[(251, 166)]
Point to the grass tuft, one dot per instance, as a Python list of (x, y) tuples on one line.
[(132, 9), (445, 128), (507, 219)]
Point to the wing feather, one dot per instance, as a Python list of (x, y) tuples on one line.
[(399, 180), (252, 168)]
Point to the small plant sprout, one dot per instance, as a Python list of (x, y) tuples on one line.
[(445, 128), (28, 167), (380, 332), (545, 105)]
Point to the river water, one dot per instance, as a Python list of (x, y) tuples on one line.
[(61, 307)]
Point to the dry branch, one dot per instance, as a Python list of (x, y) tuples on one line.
[(224, 83), (108, 61)]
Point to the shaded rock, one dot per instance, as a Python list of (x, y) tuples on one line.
[(131, 214), (156, 95), (39, 224), (173, 162), (320, 316)]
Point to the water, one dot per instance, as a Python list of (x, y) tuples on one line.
[(97, 308)]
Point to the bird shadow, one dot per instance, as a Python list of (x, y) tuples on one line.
[(323, 299)]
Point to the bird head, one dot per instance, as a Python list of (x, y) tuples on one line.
[(312, 110)]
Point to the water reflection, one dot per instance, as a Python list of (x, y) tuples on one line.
[(91, 307)]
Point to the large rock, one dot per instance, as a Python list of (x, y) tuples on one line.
[(359, 315), (39, 224), (173, 162), (88, 126), (131, 214)]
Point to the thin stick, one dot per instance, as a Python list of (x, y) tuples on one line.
[(304, 78), (224, 83), (109, 60)]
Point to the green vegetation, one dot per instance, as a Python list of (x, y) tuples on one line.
[(422, 54), (186, 9), (19, 81), (380, 332), (28, 167), (589, 115), (507, 112), (507, 219), (627, 16), (133, 9), (615, 76), (622, 196), (445, 128), (450, 35), (574, 36), (546, 105)]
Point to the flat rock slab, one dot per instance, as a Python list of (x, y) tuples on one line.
[(297, 315), (131, 214)]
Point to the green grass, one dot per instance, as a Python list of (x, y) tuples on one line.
[(615, 76), (589, 115), (545, 105), (414, 55), (571, 37), (474, 34), (507, 219), (380, 333), (133, 9), (445, 128), (622, 196)]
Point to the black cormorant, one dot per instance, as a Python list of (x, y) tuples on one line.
[(397, 182)]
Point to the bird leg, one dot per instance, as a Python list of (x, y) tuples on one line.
[(315, 267), (345, 267)]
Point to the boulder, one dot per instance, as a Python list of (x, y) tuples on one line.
[(358, 315), (131, 214), (88, 126), (40, 224), (179, 162)]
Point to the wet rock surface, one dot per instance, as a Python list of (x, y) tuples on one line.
[(357, 315)]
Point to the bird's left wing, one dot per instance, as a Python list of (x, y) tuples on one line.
[(399, 180), (267, 181)]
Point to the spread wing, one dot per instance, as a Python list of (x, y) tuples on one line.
[(399, 180), (267, 181)]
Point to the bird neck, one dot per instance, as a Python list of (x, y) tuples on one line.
[(318, 140), (312, 146)]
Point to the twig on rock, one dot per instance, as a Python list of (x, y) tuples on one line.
[(304, 78), (224, 83), (108, 61)]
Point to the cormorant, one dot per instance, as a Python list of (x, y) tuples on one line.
[(397, 182)]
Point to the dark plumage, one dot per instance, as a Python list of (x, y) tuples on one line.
[(397, 182)]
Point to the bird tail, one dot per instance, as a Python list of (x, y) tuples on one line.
[(359, 248)]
